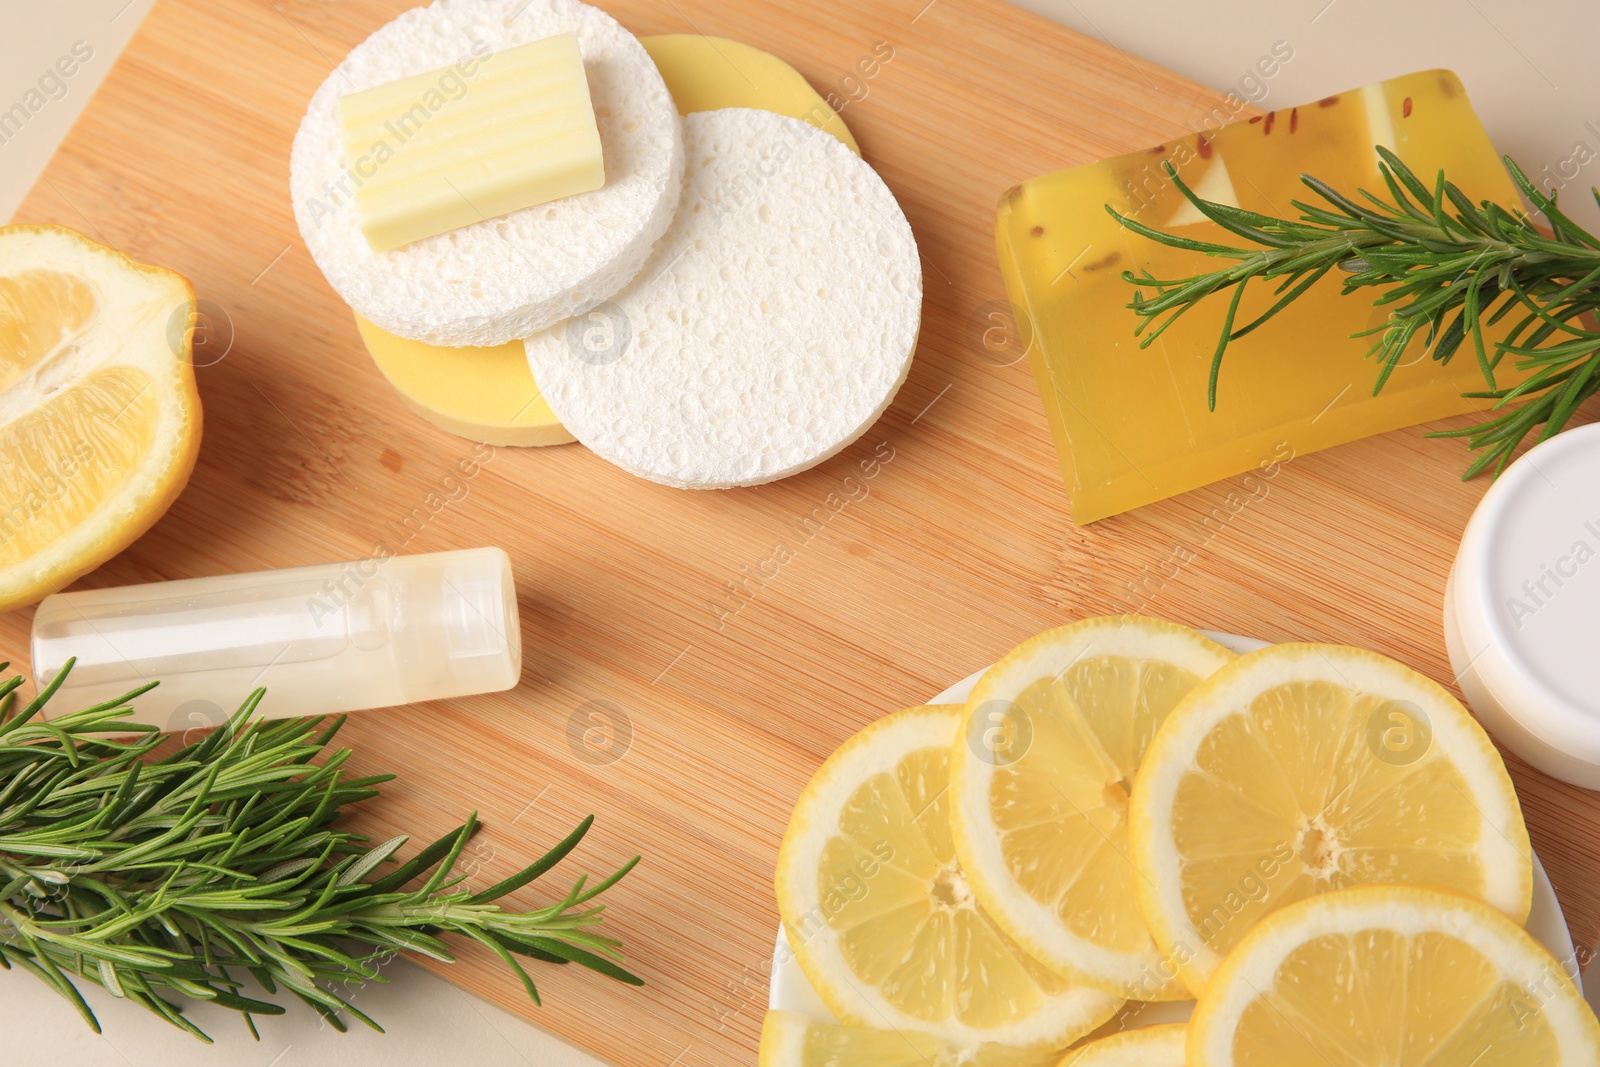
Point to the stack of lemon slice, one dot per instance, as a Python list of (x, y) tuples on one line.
[(1318, 843)]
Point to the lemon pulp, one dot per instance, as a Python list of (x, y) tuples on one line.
[(1062, 810), (1055, 739), (918, 934), (1391, 976), (1287, 783), (1300, 770), (1310, 1015), (880, 913)]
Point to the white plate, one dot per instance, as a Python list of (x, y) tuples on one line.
[(791, 990)]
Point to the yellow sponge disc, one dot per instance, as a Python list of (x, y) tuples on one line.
[(488, 394), (482, 394), (707, 73)]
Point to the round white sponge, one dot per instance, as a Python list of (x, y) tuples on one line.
[(771, 327), (498, 280)]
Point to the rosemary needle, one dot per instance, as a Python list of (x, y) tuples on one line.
[(1446, 269), (178, 875)]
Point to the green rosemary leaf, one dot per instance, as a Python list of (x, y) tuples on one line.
[(108, 978), (422, 861), (494, 945), (537, 868), (1222, 345), (364, 1017), (1581, 384), (577, 955), (38, 703), (38, 961), (600, 887), (1172, 240), (366, 864), (447, 864), (8, 690), (1393, 166), (247, 1005), (513, 943), (325, 738), (1283, 302)]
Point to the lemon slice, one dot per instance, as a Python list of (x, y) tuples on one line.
[(792, 1040), (1393, 976), (99, 416), (1301, 769), (880, 916), (1040, 777), (1154, 1046)]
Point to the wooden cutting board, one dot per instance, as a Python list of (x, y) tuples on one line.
[(722, 698)]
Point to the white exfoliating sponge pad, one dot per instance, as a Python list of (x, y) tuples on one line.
[(771, 327), (494, 281)]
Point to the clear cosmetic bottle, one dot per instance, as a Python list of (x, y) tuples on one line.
[(324, 639)]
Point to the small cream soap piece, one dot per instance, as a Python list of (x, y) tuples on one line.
[(519, 133)]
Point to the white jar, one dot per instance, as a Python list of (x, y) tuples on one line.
[(1522, 608)]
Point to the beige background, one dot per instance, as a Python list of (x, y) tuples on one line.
[(1529, 74), (36, 35), (1529, 66)]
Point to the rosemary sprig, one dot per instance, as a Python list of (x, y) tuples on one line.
[(1445, 267), (159, 876)]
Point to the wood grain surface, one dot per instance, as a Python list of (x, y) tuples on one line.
[(727, 677)]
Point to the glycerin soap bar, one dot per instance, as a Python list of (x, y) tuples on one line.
[(1132, 425)]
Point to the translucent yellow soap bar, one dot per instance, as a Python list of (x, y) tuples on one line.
[(491, 135), (1132, 425)]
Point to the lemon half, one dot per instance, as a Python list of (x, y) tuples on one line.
[(879, 913), (99, 415)]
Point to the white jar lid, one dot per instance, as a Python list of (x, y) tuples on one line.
[(1523, 615)]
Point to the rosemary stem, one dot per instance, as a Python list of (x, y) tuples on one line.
[(1446, 268), (175, 876)]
